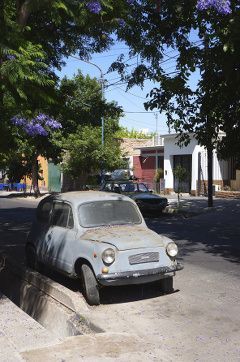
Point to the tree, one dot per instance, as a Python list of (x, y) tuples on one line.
[(124, 132), (35, 138), (181, 174), (81, 103), (86, 155), (80, 112), (213, 105)]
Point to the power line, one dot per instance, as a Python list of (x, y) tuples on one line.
[(117, 83), (127, 92)]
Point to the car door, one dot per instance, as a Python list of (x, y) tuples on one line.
[(41, 226), (60, 237)]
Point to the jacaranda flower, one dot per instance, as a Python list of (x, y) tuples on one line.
[(94, 7), (41, 125), (221, 6)]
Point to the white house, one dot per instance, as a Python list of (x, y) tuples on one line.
[(193, 158)]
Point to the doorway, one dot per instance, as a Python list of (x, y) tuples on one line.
[(184, 161)]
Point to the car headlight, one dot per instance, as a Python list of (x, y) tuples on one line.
[(108, 256), (172, 249)]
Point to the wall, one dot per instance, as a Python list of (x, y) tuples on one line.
[(43, 184), (171, 149), (235, 184), (220, 168), (127, 146), (144, 166)]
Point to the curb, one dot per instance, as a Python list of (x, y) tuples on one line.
[(74, 304), (54, 290), (187, 212)]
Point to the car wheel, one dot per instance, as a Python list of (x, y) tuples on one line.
[(166, 285), (90, 285), (31, 258)]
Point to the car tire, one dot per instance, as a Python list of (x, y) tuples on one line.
[(166, 285), (90, 285), (31, 258)]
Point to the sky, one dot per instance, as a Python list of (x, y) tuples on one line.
[(135, 116)]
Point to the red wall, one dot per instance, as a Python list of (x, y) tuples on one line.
[(144, 168)]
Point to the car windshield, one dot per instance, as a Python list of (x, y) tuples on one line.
[(107, 213)]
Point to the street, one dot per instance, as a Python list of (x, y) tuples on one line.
[(200, 321)]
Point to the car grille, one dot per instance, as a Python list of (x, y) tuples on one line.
[(143, 258)]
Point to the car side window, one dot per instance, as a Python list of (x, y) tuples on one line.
[(62, 215), (123, 187), (44, 211), (142, 188), (129, 188), (108, 187)]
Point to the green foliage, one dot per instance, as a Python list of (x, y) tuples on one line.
[(80, 102), (159, 174), (80, 110), (181, 175), (85, 153), (124, 132)]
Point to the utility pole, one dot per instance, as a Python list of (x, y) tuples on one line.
[(156, 143), (209, 131), (156, 118)]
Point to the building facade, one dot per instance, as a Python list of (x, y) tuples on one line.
[(165, 153)]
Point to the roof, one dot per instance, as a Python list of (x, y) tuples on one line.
[(79, 197)]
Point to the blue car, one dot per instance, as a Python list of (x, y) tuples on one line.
[(147, 201)]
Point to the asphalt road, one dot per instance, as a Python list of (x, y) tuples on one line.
[(200, 321)]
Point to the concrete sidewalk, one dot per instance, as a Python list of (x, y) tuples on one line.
[(23, 339), (19, 332), (192, 205)]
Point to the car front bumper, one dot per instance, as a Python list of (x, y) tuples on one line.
[(138, 276)]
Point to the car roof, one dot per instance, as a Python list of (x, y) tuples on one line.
[(123, 182), (79, 197)]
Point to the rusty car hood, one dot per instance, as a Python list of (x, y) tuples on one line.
[(126, 237)]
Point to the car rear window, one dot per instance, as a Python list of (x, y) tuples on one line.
[(107, 213)]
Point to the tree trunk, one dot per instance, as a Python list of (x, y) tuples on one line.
[(35, 178), (210, 175)]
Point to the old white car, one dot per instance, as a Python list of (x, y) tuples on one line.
[(102, 239)]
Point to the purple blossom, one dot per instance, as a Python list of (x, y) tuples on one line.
[(35, 129), (41, 118), (121, 23), (53, 124), (130, 2), (94, 7), (10, 57), (221, 6), (18, 121), (38, 126)]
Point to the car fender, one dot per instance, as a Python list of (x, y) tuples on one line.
[(91, 251)]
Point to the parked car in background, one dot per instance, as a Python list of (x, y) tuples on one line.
[(100, 238), (147, 201)]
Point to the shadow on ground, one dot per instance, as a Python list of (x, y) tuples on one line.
[(216, 232)]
